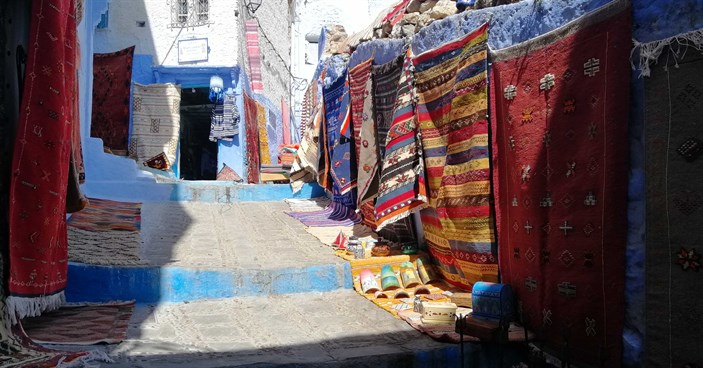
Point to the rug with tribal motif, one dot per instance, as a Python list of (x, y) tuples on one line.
[(402, 188), (560, 149)]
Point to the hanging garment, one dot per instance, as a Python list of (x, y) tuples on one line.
[(560, 148), (224, 122), (251, 131), (452, 114), (156, 121), (112, 79), (40, 164), (402, 189), (673, 103)]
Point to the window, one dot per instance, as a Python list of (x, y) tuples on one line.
[(202, 9), (190, 13)]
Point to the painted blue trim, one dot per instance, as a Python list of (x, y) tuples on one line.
[(88, 283)]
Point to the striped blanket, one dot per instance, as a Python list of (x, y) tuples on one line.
[(156, 120), (452, 115), (402, 185), (251, 128)]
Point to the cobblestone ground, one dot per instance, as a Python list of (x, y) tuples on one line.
[(333, 328), (249, 235), (337, 328)]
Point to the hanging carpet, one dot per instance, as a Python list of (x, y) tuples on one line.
[(452, 115), (251, 127), (560, 117), (112, 79), (40, 163), (156, 121), (674, 144), (402, 188)]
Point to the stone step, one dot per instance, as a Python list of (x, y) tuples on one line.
[(90, 283)]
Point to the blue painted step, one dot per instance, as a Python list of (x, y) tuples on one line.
[(89, 283)]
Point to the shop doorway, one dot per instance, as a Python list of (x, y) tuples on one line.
[(198, 155)]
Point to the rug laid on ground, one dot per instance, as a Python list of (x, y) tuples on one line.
[(335, 214), (452, 114), (560, 149), (105, 215), (156, 121), (112, 80), (106, 233), (81, 324), (251, 131), (40, 164), (674, 144), (402, 188)]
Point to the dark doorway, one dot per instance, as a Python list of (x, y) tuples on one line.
[(198, 154)]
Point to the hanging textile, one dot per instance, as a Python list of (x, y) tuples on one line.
[(40, 164), (673, 108), (77, 144), (362, 115), (112, 79), (452, 115), (156, 120), (402, 188), (224, 122), (254, 55), (305, 168), (560, 149), (285, 122), (264, 153), (384, 83), (340, 140), (251, 131)]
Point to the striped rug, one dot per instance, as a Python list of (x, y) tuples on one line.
[(452, 115), (156, 121)]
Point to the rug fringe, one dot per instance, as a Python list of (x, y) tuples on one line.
[(403, 215), (87, 361), (678, 45), (20, 307)]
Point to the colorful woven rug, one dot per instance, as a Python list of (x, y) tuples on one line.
[(402, 185), (40, 163), (560, 149), (86, 324), (251, 127), (335, 214), (156, 121), (452, 115), (264, 154), (106, 215), (306, 165), (307, 205), (112, 79), (674, 142), (339, 137)]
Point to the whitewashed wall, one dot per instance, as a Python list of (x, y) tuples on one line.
[(160, 40)]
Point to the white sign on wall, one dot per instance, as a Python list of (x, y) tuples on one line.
[(192, 50)]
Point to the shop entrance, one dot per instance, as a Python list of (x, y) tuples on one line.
[(198, 155)]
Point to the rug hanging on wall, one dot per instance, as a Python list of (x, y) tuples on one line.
[(156, 121), (402, 189), (251, 131), (452, 115), (560, 151), (112, 79), (264, 153), (340, 140), (674, 143)]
